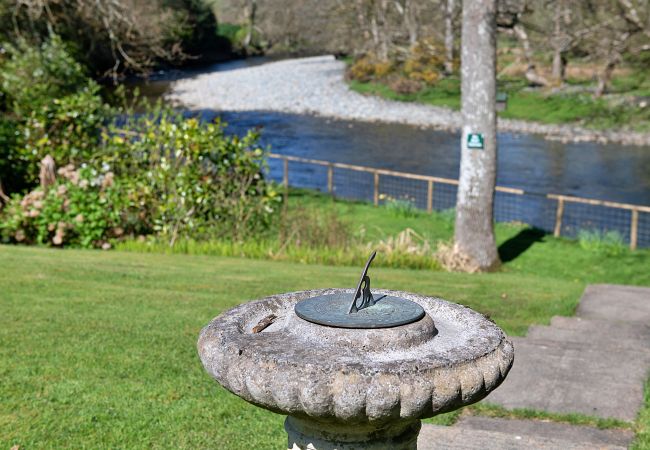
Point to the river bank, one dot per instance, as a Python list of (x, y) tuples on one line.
[(316, 86)]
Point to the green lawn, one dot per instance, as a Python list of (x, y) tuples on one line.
[(536, 105), (97, 349), (529, 253)]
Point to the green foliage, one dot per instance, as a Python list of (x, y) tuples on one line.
[(33, 76), (189, 179), (230, 31), (53, 108), (172, 176), (609, 243), (83, 208)]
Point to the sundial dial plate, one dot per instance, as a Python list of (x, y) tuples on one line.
[(333, 310)]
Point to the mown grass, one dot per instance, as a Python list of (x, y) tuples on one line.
[(97, 349), (536, 105), (524, 251)]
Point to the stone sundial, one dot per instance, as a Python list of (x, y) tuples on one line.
[(355, 369)]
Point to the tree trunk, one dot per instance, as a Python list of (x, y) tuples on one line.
[(382, 29), (531, 72), (47, 174), (605, 76), (559, 66), (251, 9), (449, 36), (411, 22), (474, 240), (558, 44)]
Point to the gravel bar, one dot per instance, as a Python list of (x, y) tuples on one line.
[(316, 86)]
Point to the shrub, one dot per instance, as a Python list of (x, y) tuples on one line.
[(425, 62), (166, 175), (188, 179), (33, 76), (311, 228), (368, 68), (53, 108), (403, 85), (82, 208)]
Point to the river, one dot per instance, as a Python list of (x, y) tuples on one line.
[(601, 171)]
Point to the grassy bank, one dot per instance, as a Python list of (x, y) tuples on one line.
[(539, 105), (524, 251)]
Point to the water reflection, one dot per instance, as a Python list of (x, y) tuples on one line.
[(605, 171)]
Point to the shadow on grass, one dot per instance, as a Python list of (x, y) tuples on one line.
[(518, 244)]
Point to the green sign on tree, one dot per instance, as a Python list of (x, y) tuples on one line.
[(475, 141)]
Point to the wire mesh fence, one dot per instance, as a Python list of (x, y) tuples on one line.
[(562, 215)]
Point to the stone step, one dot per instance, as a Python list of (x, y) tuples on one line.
[(572, 377), (603, 334), (629, 304), (505, 434)]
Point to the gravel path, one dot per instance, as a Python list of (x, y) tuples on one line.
[(316, 86)]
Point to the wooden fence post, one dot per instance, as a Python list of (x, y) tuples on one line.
[(330, 178), (430, 196), (285, 179), (376, 193), (634, 227), (558, 217)]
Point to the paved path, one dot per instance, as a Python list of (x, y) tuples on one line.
[(480, 433), (595, 363)]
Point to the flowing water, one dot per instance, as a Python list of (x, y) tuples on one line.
[(602, 171)]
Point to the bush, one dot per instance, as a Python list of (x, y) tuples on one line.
[(403, 85), (188, 179), (33, 76), (172, 176), (53, 108), (82, 208), (425, 62), (369, 68), (166, 175)]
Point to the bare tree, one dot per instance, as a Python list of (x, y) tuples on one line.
[(118, 34), (628, 31), (250, 10), (450, 6), (474, 232)]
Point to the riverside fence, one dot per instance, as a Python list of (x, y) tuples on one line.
[(562, 215)]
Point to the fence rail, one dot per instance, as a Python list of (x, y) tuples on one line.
[(563, 215)]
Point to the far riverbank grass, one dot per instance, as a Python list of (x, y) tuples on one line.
[(576, 108), (97, 349)]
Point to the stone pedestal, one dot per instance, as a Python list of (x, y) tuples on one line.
[(305, 434), (355, 388)]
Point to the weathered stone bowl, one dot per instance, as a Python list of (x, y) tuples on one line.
[(355, 388)]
